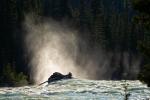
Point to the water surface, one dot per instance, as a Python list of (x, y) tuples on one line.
[(76, 89)]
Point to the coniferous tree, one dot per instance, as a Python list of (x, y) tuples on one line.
[(143, 18), (98, 24)]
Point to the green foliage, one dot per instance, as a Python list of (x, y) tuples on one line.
[(143, 17), (145, 50), (141, 5), (12, 78), (12, 16), (144, 75)]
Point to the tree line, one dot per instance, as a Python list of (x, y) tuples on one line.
[(114, 26)]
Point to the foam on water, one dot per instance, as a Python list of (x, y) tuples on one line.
[(76, 89)]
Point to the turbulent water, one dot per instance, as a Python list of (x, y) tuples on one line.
[(76, 89)]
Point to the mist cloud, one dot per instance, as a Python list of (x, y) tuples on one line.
[(54, 47), (51, 47)]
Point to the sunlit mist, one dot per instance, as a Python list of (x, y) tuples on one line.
[(54, 47), (51, 47)]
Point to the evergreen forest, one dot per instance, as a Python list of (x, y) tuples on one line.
[(120, 27)]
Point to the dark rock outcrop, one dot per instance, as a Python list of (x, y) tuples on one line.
[(58, 76)]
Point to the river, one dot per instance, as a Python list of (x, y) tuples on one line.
[(79, 89)]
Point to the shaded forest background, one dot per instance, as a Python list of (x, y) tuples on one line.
[(110, 25)]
